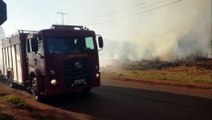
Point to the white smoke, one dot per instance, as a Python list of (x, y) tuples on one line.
[(167, 35), (170, 47)]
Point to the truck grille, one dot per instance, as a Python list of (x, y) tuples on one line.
[(76, 69)]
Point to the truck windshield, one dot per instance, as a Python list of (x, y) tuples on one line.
[(70, 45)]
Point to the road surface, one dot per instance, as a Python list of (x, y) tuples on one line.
[(118, 100)]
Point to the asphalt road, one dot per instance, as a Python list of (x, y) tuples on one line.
[(117, 100)]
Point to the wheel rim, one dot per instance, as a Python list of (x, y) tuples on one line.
[(34, 85)]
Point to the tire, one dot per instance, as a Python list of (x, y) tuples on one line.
[(10, 81), (34, 89), (12, 85)]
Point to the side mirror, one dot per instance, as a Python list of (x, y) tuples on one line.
[(34, 44), (100, 41)]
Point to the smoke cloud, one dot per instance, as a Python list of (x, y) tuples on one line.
[(170, 48), (170, 35)]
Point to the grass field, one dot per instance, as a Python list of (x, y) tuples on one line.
[(192, 72), (184, 74)]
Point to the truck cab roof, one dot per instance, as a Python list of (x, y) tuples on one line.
[(66, 30)]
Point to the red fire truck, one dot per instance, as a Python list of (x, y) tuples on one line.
[(53, 61)]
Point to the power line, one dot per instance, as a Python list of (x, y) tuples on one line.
[(136, 7), (107, 14), (142, 12)]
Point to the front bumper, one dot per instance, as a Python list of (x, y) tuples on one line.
[(64, 87)]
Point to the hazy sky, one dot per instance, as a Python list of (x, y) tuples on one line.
[(153, 25), (114, 19)]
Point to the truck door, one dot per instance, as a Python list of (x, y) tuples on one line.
[(35, 54), (35, 60), (30, 56)]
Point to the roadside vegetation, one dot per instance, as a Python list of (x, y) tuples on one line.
[(13, 108), (193, 69)]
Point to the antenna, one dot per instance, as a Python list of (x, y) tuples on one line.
[(62, 14)]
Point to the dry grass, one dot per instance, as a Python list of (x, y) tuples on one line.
[(13, 108), (189, 72)]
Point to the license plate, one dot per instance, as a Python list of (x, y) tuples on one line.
[(79, 82)]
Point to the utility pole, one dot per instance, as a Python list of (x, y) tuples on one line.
[(62, 14)]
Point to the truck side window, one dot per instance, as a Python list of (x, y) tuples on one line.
[(40, 47), (27, 46), (34, 45)]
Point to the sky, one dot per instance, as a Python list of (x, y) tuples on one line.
[(133, 29)]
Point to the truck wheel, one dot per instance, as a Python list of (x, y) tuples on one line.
[(11, 84), (10, 79), (34, 89)]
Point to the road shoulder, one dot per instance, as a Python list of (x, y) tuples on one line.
[(171, 87)]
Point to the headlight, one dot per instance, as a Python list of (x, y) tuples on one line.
[(52, 72), (53, 82), (97, 75)]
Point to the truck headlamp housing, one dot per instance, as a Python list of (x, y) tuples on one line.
[(52, 72), (97, 75), (54, 82), (97, 67)]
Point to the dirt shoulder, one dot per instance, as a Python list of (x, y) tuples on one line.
[(162, 82)]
